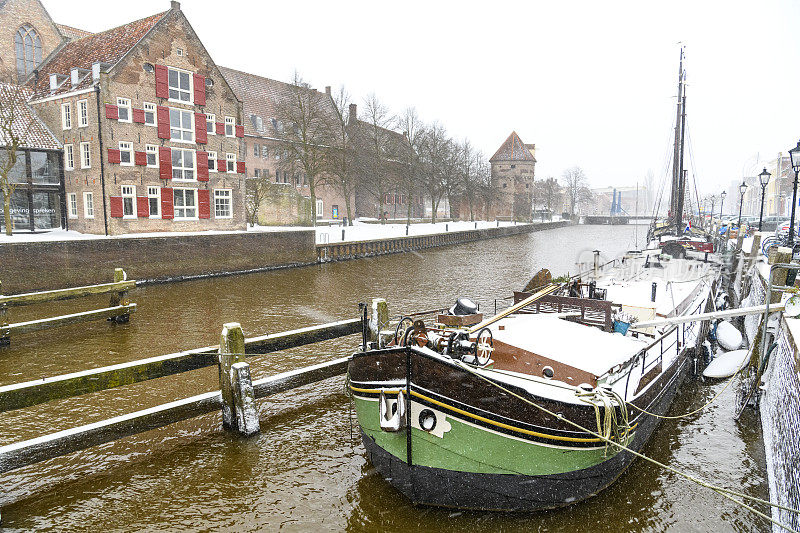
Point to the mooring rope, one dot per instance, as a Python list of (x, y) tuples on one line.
[(725, 493)]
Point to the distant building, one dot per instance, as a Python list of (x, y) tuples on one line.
[(631, 200), (513, 168)]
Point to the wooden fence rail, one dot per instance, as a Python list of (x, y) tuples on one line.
[(119, 309), (30, 393)]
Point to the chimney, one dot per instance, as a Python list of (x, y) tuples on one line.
[(96, 71), (353, 114), (53, 82), (74, 76), (328, 90), (175, 6)]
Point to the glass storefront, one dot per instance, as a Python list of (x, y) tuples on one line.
[(37, 203)]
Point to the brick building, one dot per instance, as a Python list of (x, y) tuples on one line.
[(286, 199), (151, 130), (513, 168)]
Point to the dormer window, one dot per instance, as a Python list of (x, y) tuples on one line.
[(180, 85)]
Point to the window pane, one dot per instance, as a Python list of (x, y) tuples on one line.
[(187, 120), (176, 158), (173, 78), (189, 199), (184, 81), (173, 94)]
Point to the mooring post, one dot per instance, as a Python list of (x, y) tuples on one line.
[(119, 298), (244, 400), (231, 351), (5, 334), (379, 319), (342, 234)]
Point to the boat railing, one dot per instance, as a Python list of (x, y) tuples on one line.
[(593, 312)]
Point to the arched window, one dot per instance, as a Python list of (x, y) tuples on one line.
[(29, 49)]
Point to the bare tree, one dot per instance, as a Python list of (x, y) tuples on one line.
[(436, 152), (469, 161), (549, 192), (575, 187), (376, 148), (410, 155), (306, 117), (486, 186), (257, 191), (341, 163), (15, 123)]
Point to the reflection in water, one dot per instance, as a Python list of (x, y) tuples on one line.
[(305, 472)]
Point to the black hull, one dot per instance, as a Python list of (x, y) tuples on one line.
[(507, 492)]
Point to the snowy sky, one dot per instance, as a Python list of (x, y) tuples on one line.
[(590, 83)]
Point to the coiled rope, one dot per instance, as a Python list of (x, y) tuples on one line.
[(725, 493)]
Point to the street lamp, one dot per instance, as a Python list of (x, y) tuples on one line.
[(764, 179), (722, 195), (794, 154), (742, 190)]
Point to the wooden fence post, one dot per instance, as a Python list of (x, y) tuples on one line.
[(231, 351), (119, 298), (5, 334), (244, 399)]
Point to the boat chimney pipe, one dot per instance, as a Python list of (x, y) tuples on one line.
[(653, 292), (596, 262)]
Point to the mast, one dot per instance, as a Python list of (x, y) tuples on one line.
[(682, 174), (676, 199)]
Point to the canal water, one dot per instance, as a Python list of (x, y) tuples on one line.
[(307, 470)]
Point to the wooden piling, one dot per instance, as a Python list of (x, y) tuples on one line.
[(231, 351), (119, 298), (5, 334), (379, 319), (244, 399)]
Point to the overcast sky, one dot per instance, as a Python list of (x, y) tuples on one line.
[(592, 84)]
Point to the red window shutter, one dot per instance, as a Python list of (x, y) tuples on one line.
[(220, 128), (239, 130), (142, 207), (113, 155), (167, 209), (203, 204), (199, 90), (140, 158), (165, 163), (162, 87), (115, 203), (202, 166), (200, 131), (112, 112), (138, 115), (240, 167), (162, 119)]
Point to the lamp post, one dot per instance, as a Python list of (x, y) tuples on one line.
[(794, 154), (764, 179), (742, 190), (722, 196)]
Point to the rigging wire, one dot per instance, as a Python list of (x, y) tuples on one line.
[(725, 493), (694, 170)]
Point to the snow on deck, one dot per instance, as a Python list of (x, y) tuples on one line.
[(583, 347)]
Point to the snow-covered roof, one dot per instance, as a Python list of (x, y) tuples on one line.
[(583, 347), (26, 125)]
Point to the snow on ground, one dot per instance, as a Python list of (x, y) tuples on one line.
[(324, 234)]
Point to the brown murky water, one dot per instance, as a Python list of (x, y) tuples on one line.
[(307, 471)]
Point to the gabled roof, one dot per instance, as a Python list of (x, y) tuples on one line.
[(72, 33), (26, 125), (261, 97), (105, 47), (513, 149)]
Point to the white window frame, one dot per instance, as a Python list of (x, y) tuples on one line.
[(72, 205), (170, 88), (180, 129), (230, 121), (151, 149), (127, 148), (230, 158), (66, 116), (213, 156), (69, 157), (149, 107), (124, 103), (175, 207), (320, 208), (86, 155), (222, 195), (211, 123), (88, 204), (256, 150), (183, 169), (128, 192), (154, 191), (83, 113)]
